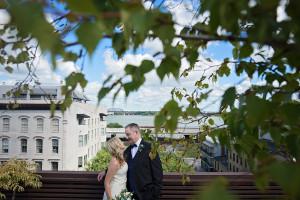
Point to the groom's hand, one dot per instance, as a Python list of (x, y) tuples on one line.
[(101, 175)]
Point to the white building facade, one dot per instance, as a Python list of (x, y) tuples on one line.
[(64, 142)]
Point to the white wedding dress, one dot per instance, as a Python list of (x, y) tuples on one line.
[(118, 183)]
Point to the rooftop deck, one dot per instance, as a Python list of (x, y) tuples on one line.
[(83, 185)]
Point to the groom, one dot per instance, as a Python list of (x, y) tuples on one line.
[(144, 176)]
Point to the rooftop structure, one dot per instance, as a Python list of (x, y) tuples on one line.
[(63, 142)]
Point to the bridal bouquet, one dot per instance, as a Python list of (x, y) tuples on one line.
[(124, 195)]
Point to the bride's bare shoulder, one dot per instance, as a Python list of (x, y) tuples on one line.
[(113, 161)]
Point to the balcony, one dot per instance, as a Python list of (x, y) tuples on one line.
[(210, 154), (207, 162), (83, 185)]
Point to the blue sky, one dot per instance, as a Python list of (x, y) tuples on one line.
[(153, 94)]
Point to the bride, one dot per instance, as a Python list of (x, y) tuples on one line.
[(116, 176)]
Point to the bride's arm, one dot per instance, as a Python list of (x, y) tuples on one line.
[(112, 168)]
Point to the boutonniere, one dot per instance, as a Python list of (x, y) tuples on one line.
[(141, 147)]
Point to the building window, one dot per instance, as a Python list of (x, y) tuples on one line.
[(233, 156), (23, 145), (55, 125), (85, 139), (81, 121), (24, 124), (80, 141), (237, 159), (54, 166), (55, 145), (237, 169), (5, 124), (85, 159), (39, 165), (233, 168), (40, 125), (39, 146), (5, 145), (102, 131), (79, 161), (245, 163)]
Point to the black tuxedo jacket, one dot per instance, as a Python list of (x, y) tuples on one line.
[(147, 173)]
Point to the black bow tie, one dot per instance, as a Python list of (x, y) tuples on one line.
[(133, 145)]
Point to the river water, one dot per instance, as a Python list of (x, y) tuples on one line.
[(149, 121)]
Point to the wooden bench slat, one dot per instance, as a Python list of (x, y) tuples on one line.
[(84, 185)]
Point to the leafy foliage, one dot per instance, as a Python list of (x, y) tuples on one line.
[(169, 162), (173, 163), (17, 175), (251, 27), (114, 125), (100, 162)]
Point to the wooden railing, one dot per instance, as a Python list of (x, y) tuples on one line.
[(83, 185)]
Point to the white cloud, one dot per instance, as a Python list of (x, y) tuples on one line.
[(66, 68), (4, 17), (153, 94), (281, 14), (152, 46)]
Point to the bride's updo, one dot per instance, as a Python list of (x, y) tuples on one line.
[(114, 149)]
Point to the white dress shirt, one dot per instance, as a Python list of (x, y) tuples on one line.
[(135, 149)]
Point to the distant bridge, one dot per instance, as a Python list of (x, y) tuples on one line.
[(179, 132), (115, 110)]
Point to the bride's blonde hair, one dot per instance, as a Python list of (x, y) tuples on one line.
[(113, 147)]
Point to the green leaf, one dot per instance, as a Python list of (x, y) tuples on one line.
[(235, 53), (293, 144), (167, 66), (102, 93), (120, 44), (19, 45), (22, 57), (192, 57), (216, 190), (257, 110), (229, 97), (86, 6), (16, 105), (2, 60), (159, 121), (287, 176), (192, 111), (70, 56), (211, 121), (9, 69), (172, 112), (224, 69), (165, 33), (90, 39), (174, 143), (107, 79), (146, 66), (246, 50), (141, 21), (17, 93)]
